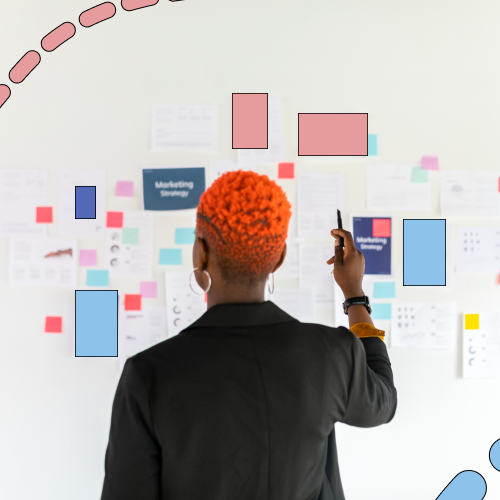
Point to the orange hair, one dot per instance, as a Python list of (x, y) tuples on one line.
[(244, 217)]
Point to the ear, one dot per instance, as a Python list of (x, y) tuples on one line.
[(282, 258), (200, 253)]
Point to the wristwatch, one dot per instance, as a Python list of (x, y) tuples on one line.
[(355, 301)]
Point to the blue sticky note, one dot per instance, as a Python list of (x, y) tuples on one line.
[(85, 203), (97, 277), (424, 252), (184, 235), (170, 256), (381, 311), (384, 290), (372, 145), (96, 322)]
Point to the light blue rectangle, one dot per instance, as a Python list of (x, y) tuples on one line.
[(381, 311), (96, 322), (97, 277), (372, 145), (170, 256), (424, 252), (384, 290), (184, 235)]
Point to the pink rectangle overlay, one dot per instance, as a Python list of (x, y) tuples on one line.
[(124, 188), (430, 163), (381, 228), (333, 134), (250, 121), (149, 290), (88, 257)]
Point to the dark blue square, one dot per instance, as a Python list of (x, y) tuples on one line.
[(85, 202)]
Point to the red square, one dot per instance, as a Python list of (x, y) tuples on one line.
[(53, 324), (381, 228), (133, 302), (114, 219), (44, 215), (205, 298), (286, 171)]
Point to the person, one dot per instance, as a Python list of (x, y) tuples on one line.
[(242, 404)]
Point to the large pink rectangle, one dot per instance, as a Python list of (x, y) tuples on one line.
[(333, 134), (250, 121)]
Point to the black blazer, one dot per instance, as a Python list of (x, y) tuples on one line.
[(241, 405)]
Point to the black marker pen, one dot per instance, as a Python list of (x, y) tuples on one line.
[(339, 223)]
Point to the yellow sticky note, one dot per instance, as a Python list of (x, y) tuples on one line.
[(472, 321)]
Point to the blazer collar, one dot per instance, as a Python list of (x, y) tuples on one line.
[(241, 314)]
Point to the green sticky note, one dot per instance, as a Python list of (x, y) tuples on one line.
[(97, 278), (170, 256), (418, 174), (381, 311), (130, 236), (372, 145)]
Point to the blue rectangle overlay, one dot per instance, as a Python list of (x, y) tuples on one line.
[(85, 204), (97, 277), (381, 311), (384, 290), (172, 188), (424, 252), (96, 322), (184, 235)]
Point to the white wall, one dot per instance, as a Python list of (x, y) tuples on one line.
[(427, 74)]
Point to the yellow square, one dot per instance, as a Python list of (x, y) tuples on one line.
[(472, 321)]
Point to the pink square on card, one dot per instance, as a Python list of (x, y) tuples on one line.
[(381, 228), (88, 257), (430, 163), (149, 290), (124, 188), (286, 170)]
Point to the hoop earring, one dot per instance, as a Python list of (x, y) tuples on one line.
[(209, 281), (272, 274)]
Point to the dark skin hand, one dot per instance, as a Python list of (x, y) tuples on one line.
[(222, 292)]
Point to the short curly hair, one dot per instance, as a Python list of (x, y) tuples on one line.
[(244, 217)]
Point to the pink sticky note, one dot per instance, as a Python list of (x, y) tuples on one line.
[(53, 324), (381, 228), (124, 188), (286, 170), (44, 215), (430, 163), (88, 257), (148, 290), (114, 219)]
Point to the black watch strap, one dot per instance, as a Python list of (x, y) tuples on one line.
[(363, 300)]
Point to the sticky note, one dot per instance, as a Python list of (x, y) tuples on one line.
[(44, 215), (430, 163), (286, 170), (472, 321), (53, 324), (384, 290), (97, 277), (205, 297), (170, 256), (130, 236), (250, 121), (381, 228), (372, 145), (381, 311), (85, 204), (149, 289), (418, 174), (124, 188), (114, 219), (184, 235), (96, 323), (133, 302), (88, 257)]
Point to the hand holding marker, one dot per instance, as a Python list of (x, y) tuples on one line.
[(349, 262)]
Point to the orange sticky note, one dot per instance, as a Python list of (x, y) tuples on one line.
[(114, 219), (53, 324), (133, 302), (44, 215), (286, 170)]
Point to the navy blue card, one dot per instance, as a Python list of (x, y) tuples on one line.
[(372, 236), (172, 188)]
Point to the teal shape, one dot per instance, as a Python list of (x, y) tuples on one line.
[(466, 485), (381, 311), (97, 278), (170, 256), (184, 235), (372, 145), (130, 236), (384, 290)]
